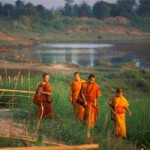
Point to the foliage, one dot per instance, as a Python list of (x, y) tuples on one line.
[(65, 128), (101, 9), (144, 8)]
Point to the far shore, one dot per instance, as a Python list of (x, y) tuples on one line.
[(12, 69), (30, 40)]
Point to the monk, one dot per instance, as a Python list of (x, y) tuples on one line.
[(90, 93), (119, 105), (75, 87), (43, 100)]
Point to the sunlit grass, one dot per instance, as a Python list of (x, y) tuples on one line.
[(64, 128)]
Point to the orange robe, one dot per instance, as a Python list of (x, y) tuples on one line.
[(91, 93), (119, 104), (45, 102), (76, 88)]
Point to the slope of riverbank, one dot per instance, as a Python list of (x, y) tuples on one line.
[(17, 34)]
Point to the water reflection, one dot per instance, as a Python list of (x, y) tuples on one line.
[(85, 55)]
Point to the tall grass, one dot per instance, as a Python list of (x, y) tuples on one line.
[(64, 128)]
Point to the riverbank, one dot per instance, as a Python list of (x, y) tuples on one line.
[(16, 34), (12, 68), (29, 39), (135, 85)]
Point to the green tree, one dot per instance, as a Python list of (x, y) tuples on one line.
[(1, 9), (31, 11), (101, 9), (85, 10), (126, 7), (75, 10), (114, 10), (8, 11), (19, 8), (68, 7), (44, 14), (144, 8)]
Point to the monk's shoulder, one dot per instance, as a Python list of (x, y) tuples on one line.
[(40, 84), (82, 81), (124, 99), (71, 82), (84, 84), (96, 85), (48, 87)]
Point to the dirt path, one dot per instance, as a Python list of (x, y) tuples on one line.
[(7, 127), (37, 69)]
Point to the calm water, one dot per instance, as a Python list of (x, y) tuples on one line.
[(85, 54)]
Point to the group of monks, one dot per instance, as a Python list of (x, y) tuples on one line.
[(83, 96)]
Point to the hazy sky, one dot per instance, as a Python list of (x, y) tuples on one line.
[(55, 3)]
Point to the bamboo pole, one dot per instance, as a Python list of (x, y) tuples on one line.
[(32, 140), (1, 80), (7, 95), (21, 80), (80, 147), (39, 121), (9, 79), (5, 71), (16, 91), (11, 105), (54, 146), (2, 94)]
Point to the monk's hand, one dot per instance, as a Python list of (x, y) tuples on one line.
[(130, 114), (95, 103), (40, 91), (85, 103), (113, 112), (70, 99)]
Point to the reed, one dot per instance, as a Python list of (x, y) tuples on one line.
[(66, 129)]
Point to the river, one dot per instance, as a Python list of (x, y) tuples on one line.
[(85, 54)]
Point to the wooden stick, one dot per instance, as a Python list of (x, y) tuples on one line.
[(2, 94), (29, 139), (39, 121), (80, 147), (5, 72), (16, 96), (1, 80), (16, 91)]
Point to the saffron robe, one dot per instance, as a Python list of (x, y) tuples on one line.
[(91, 93), (119, 104), (76, 88), (45, 102)]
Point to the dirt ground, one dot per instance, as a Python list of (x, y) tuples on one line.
[(12, 69)]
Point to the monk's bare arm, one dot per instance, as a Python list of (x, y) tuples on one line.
[(46, 93), (112, 109), (129, 112), (70, 95), (83, 97)]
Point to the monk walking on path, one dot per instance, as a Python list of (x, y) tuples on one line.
[(75, 88), (119, 105), (90, 92), (43, 100)]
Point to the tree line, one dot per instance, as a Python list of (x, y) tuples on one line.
[(100, 10)]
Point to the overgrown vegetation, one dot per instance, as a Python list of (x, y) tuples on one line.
[(27, 17), (64, 128)]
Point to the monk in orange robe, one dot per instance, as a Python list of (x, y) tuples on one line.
[(119, 105), (90, 93), (75, 88), (43, 100)]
